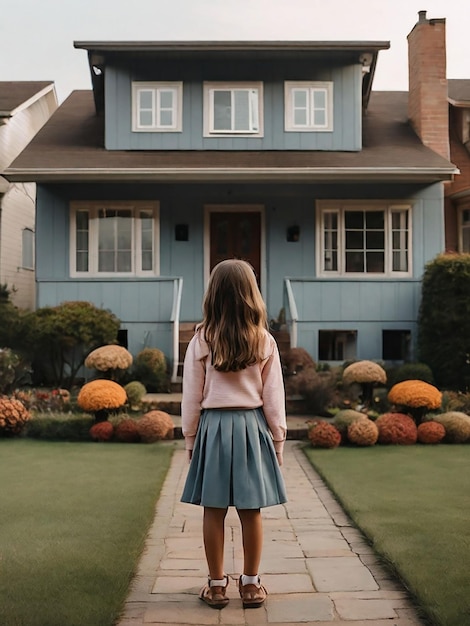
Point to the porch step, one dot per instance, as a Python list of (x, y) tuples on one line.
[(297, 424), (282, 338)]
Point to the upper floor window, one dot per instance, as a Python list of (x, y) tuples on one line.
[(157, 107), (464, 237), (233, 109), (114, 238), (27, 249), (357, 238), (308, 106)]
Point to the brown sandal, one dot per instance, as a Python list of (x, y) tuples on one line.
[(214, 596), (252, 596)]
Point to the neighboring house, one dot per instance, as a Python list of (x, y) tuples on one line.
[(24, 109), (457, 200), (186, 153)]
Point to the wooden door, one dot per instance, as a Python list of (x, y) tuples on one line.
[(236, 235)]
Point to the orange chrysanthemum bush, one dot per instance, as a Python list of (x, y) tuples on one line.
[(397, 428), (431, 432), (13, 416), (155, 426), (363, 432), (102, 431), (344, 418), (324, 435), (415, 397), (127, 431), (100, 397), (456, 424)]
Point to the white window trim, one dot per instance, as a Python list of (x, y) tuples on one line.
[(156, 87), (460, 212), (340, 206), (208, 121), (27, 252), (93, 207), (310, 86)]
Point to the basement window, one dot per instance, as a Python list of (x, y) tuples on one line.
[(396, 345), (337, 345)]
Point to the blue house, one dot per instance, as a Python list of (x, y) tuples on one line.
[(186, 153)]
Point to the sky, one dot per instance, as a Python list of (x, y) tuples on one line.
[(37, 37)]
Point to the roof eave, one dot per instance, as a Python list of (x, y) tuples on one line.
[(228, 45), (461, 104), (29, 101), (242, 175)]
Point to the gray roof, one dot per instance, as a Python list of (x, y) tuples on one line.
[(14, 93), (70, 148), (458, 90)]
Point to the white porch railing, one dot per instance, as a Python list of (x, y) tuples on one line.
[(292, 313), (175, 320)]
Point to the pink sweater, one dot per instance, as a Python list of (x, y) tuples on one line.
[(257, 385)]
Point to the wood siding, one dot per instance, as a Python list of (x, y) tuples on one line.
[(347, 112), (17, 205), (144, 305)]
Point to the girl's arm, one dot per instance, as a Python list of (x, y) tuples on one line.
[(274, 402), (193, 388)]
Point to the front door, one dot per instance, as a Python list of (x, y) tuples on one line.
[(236, 235)]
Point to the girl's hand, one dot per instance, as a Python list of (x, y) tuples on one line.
[(279, 458), (190, 455)]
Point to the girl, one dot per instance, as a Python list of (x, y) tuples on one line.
[(234, 424)]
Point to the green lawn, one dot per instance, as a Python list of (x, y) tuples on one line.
[(413, 503), (73, 521)]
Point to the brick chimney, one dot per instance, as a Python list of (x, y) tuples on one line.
[(427, 102)]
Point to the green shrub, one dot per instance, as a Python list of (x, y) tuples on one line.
[(64, 335), (344, 418), (150, 368), (60, 426), (14, 370), (444, 320), (10, 320), (135, 391), (409, 371)]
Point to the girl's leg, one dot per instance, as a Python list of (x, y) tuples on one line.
[(252, 533), (252, 592), (214, 533)]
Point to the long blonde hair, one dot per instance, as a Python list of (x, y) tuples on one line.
[(235, 317)]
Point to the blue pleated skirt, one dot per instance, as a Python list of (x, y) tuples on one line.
[(234, 462)]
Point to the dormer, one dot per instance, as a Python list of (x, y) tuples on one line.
[(239, 95)]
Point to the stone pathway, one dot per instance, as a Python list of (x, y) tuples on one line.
[(316, 565)]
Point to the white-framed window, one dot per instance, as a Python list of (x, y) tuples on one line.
[(233, 109), (157, 107), (464, 228), (308, 106), (27, 249), (114, 238), (363, 238)]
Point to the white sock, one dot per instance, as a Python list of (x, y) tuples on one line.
[(250, 580), (218, 583)]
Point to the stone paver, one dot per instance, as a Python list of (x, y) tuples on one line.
[(317, 566)]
